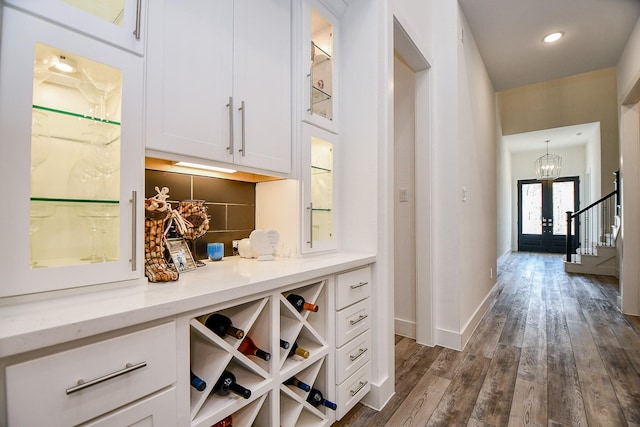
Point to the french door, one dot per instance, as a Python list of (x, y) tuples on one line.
[(542, 207)]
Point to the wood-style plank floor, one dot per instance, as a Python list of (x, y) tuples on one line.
[(553, 350)]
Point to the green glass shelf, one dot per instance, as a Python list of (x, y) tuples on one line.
[(74, 201), (80, 116), (319, 170)]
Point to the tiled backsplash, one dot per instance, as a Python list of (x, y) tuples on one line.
[(230, 204)]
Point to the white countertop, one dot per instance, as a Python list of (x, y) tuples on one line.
[(26, 326)]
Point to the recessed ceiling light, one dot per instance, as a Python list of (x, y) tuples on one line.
[(205, 167), (64, 64), (550, 38)]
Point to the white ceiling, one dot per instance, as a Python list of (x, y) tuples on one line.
[(509, 36), (563, 137)]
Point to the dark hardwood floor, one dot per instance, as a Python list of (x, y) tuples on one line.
[(553, 350)]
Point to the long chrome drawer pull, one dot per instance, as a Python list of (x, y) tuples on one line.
[(230, 105), (82, 384), (359, 319), (360, 386), (134, 230), (136, 32), (359, 285), (360, 353)]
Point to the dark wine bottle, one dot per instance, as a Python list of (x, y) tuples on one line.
[(248, 347), (300, 304), (221, 325), (298, 350), (284, 344), (297, 383), (227, 422), (197, 382), (316, 399), (227, 383)]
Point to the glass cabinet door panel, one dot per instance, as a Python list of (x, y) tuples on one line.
[(110, 10), (321, 189), (75, 160), (321, 66)]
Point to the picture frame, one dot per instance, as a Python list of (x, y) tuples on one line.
[(181, 254)]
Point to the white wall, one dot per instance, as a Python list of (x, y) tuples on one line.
[(504, 201), (629, 93)]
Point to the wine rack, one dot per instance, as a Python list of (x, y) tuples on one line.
[(212, 354)]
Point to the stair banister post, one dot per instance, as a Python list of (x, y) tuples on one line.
[(569, 245)]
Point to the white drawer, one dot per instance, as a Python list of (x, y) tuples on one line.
[(40, 391), (353, 389), (352, 356), (159, 410), (353, 286), (352, 321)]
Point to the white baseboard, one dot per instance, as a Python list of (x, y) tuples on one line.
[(405, 328), (380, 394), (457, 340)]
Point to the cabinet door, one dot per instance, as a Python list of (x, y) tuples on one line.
[(71, 158), (319, 70), (189, 79), (318, 190), (118, 22), (262, 84)]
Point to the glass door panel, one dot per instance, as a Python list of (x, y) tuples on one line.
[(321, 190), (109, 10), (321, 66), (532, 208), (563, 201), (75, 160)]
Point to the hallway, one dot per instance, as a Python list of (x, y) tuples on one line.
[(552, 350)]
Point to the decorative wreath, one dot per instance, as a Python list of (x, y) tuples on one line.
[(195, 215)]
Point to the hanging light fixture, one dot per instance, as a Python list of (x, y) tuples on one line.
[(548, 166)]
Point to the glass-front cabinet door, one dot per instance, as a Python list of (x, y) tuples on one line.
[(119, 22), (319, 207), (319, 56), (71, 154)]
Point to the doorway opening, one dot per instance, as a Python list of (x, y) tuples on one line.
[(542, 207)]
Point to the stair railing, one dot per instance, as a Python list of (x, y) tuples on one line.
[(593, 224)]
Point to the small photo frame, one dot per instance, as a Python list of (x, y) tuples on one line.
[(181, 255)]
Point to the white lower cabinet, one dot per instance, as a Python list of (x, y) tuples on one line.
[(81, 384), (353, 338)]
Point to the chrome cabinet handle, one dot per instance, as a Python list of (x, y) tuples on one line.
[(230, 105), (134, 231), (359, 285), (310, 93), (361, 384), (136, 32), (243, 130), (310, 241), (360, 353), (84, 384), (359, 319)]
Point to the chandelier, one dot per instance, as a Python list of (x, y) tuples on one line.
[(548, 166)]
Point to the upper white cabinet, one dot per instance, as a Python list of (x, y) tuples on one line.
[(71, 158), (319, 54), (117, 22), (219, 82)]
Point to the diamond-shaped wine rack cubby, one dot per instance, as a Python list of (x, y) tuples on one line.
[(212, 354), (294, 408)]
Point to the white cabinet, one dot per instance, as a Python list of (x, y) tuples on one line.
[(71, 158), (218, 82), (319, 227), (117, 22), (353, 338), (94, 379), (320, 53)]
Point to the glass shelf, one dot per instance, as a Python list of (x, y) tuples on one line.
[(73, 202), (321, 57), (315, 170), (319, 95), (75, 127)]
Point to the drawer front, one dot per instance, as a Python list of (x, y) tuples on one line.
[(352, 286), (353, 389), (158, 410), (352, 321), (41, 391), (352, 356)]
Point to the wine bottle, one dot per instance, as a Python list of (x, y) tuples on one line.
[(298, 350), (248, 347), (300, 304), (316, 399), (297, 383), (227, 383), (227, 422), (284, 344), (197, 382), (221, 325)]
